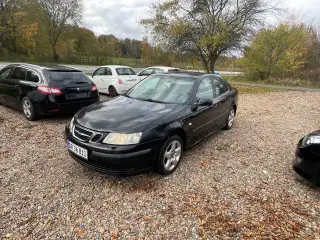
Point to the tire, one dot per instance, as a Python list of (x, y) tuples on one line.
[(165, 167), (230, 119), (113, 92), (28, 109)]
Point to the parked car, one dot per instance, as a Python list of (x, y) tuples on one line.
[(152, 70), (307, 161), (149, 127), (114, 79), (42, 90)]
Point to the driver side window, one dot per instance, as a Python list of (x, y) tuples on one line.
[(4, 73), (147, 72), (205, 90), (100, 72)]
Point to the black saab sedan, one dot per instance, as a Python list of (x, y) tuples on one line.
[(42, 90), (307, 161), (149, 127)]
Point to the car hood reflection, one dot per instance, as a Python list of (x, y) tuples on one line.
[(123, 115)]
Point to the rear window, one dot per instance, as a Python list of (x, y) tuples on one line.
[(61, 76), (125, 71)]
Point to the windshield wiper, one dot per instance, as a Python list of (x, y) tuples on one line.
[(80, 82), (152, 100)]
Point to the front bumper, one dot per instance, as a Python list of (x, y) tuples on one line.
[(306, 165), (116, 160)]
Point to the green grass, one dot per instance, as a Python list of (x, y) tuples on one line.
[(277, 82), (254, 90)]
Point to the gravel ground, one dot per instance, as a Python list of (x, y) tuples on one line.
[(238, 184)]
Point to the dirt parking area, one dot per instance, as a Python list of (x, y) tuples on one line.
[(238, 184)]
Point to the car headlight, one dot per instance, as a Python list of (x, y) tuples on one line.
[(71, 124), (308, 140), (122, 139)]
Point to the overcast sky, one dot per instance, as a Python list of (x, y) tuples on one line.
[(121, 17)]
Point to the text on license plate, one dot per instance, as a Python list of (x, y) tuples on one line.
[(77, 150)]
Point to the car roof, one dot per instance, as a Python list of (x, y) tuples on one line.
[(190, 74), (47, 66), (163, 67), (115, 66)]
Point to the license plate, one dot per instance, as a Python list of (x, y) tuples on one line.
[(82, 152), (77, 95)]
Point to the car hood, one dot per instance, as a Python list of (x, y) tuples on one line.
[(123, 115), (316, 133)]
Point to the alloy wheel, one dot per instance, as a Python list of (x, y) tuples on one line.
[(172, 155), (26, 108), (231, 118)]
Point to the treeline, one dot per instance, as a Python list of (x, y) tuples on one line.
[(48, 30), (288, 50)]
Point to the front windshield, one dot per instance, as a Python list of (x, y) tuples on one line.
[(164, 89)]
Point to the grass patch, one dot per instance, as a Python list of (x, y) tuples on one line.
[(278, 82), (254, 90)]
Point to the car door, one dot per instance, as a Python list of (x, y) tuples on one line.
[(222, 101), (98, 78), (4, 75), (12, 86), (109, 79), (201, 120)]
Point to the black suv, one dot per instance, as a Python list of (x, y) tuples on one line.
[(43, 90)]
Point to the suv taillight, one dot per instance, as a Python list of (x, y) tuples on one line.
[(93, 88), (120, 81), (49, 90)]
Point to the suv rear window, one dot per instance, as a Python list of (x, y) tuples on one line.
[(125, 71), (67, 76)]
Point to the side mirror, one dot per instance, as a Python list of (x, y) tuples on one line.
[(201, 102), (204, 102)]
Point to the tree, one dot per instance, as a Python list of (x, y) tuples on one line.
[(277, 50), (56, 16), (205, 28)]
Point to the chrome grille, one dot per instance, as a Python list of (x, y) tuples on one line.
[(81, 133), (96, 138)]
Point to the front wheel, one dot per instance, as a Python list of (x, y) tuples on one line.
[(231, 117), (170, 155), (28, 109)]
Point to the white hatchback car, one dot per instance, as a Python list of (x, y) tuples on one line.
[(152, 70), (114, 79)]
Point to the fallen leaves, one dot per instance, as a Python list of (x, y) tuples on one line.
[(204, 164), (80, 233), (148, 218), (8, 235)]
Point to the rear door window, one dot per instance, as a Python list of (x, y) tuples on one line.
[(19, 73), (32, 77), (174, 70), (220, 86), (125, 71)]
